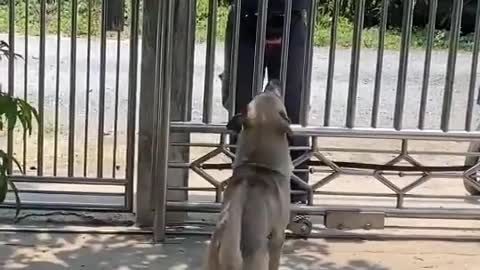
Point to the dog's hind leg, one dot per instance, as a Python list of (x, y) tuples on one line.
[(258, 260), (275, 247)]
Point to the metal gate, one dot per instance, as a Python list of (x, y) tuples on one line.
[(79, 69), (389, 133)]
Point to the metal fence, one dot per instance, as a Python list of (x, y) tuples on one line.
[(79, 69), (390, 129), (416, 108)]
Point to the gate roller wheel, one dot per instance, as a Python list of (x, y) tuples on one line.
[(301, 226), (471, 161)]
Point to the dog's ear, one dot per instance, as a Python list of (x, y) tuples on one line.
[(285, 124), (236, 123)]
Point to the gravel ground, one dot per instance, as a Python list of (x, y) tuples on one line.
[(319, 76)]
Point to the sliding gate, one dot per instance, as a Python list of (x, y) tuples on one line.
[(389, 130)]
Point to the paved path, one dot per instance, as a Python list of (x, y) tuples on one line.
[(121, 252)]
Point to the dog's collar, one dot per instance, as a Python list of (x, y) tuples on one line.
[(261, 166)]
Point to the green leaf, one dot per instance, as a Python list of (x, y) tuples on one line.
[(5, 182), (6, 159), (11, 113)]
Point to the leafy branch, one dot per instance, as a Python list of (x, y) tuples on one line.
[(12, 111)]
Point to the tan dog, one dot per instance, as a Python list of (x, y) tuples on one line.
[(256, 208)]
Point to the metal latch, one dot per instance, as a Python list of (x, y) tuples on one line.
[(115, 15), (354, 220)]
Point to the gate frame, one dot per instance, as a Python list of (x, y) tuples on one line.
[(167, 125)]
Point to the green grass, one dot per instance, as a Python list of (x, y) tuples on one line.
[(321, 37)]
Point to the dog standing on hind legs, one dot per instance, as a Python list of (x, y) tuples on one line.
[(250, 232)]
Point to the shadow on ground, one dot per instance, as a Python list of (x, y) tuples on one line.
[(304, 254), (123, 252)]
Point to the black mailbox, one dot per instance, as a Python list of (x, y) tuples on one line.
[(115, 15)]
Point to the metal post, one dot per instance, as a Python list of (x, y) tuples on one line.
[(403, 66), (210, 62), (73, 92), (41, 86), (25, 80), (232, 88), (164, 132), (11, 72), (183, 39), (379, 68), (473, 74), (258, 66), (101, 99), (308, 61), (132, 105), (57, 88), (190, 56), (144, 208), (355, 62), (115, 106), (432, 16), (87, 88), (331, 63), (452, 61), (285, 45)]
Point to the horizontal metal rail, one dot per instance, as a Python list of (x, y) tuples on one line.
[(377, 133), (69, 180), (424, 213), (94, 207), (74, 193)]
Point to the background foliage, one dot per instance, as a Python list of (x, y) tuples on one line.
[(322, 30)]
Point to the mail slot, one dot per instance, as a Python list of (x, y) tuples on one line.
[(115, 15)]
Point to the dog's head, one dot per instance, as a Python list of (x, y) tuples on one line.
[(266, 110)]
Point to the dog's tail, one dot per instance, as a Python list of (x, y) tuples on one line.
[(224, 252)]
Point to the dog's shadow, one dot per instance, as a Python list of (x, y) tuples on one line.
[(307, 255)]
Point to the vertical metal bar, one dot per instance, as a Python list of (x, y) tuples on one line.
[(25, 81), (285, 45), (115, 114), (73, 90), (355, 62), (146, 184), (331, 63), (57, 88), (258, 66), (403, 65), (210, 62), (157, 184), (400, 200), (163, 146), (87, 88), (41, 86), (306, 86), (234, 58), (452, 60), (473, 74), (432, 17), (132, 104), (11, 72), (192, 13), (101, 109), (379, 68)]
